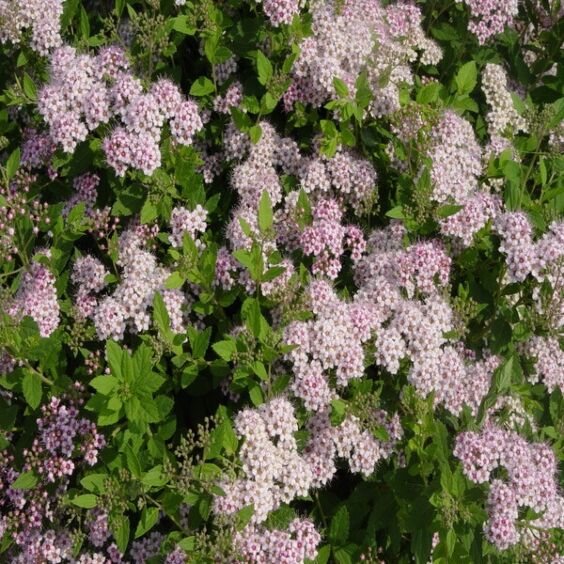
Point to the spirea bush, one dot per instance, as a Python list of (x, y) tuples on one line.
[(281, 281)]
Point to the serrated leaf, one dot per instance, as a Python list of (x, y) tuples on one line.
[(264, 68), (149, 211), (149, 518), (339, 528), (32, 389), (120, 531), (255, 133), (181, 24), (466, 78), (341, 88), (202, 86), (243, 517), (105, 384), (225, 349)]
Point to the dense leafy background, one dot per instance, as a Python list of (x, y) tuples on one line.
[(161, 399)]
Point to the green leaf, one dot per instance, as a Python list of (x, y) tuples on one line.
[(339, 528), (265, 215), (259, 370), (87, 501), (104, 384), (29, 87), (448, 210), (338, 411), (149, 211), (466, 78), (225, 349), (25, 481), (94, 482), (396, 213), (199, 341), (149, 518), (429, 93), (264, 68), (341, 88), (32, 389), (120, 531), (114, 354), (181, 24), (13, 163), (202, 86), (84, 23), (256, 395), (161, 317), (243, 517), (250, 312), (175, 280), (255, 133), (133, 463)]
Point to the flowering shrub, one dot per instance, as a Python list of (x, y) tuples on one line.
[(281, 281)]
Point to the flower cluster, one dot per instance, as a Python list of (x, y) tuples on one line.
[(258, 545), (549, 361), (332, 341), (326, 238), (479, 209), (281, 11), (41, 16), (348, 440), (86, 91), (37, 297), (503, 117), (358, 36), (142, 277), (531, 470), (64, 441), (185, 221), (414, 328), (456, 158), (274, 471), (489, 17)]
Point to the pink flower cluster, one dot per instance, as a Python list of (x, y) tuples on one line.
[(185, 221), (479, 208), (37, 297), (326, 239), (489, 17), (349, 177), (274, 471), (41, 16), (503, 118), (258, 545), (457, 159), (542, 259), (86, 91), (531, 470), (142, 276), (88, 275), (281, 11), (549, 361), (360, 35), (64, 440), (86, 192), (331, 341), (358, 447), (414, 328)]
